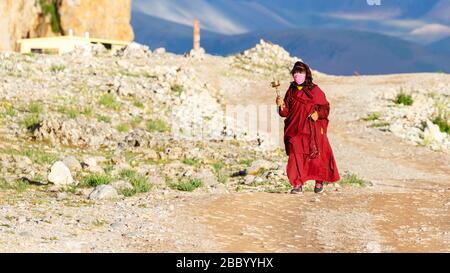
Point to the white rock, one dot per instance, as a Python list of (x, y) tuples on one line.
[(60, 174), (207, 176), (433, 133), (103, 192), (72, 163), (249, 179), (160, 50)]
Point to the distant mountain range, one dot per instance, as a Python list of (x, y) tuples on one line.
[(421, 21), (441, 46), (329, 50)]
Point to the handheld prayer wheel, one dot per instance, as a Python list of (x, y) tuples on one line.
[(276, 84)]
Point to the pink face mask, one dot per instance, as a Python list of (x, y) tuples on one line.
[(299, 78)]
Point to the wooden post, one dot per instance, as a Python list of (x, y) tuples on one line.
[(196, 34)]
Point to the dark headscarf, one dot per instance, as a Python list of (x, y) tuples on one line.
[(308, 84)]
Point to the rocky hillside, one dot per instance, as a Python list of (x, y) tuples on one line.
[(100, 152), (150, 112), (41, 18)]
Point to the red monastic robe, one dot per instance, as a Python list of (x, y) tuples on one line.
[(306, 141)]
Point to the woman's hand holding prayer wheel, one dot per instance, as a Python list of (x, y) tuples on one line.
[(280, 102)]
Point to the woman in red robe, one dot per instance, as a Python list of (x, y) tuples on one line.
[(305, 132)]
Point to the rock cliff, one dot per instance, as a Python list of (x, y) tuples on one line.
[(42, 18)]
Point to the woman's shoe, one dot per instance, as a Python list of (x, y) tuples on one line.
[(319, 187), (297, 190)]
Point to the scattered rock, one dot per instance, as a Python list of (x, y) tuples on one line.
[(90, 164), (25, 234), (103, 192), (60, 174), (72, 163), (433, 133), (158, 181), (134, 50), (61, 195), (259, 165), (218, 189), (116, 226), (249, 179), (207, 176), (79, 132), (160, 50), (121, 184)]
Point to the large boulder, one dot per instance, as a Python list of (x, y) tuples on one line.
[(103, 192), (60, 174)]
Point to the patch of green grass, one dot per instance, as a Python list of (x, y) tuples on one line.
[(10, 111), (136, 121), (138, 104), (35, 107), (379, 124), (57, 68), (40, 157), (217, 166), (222, 178), (190, 185), (127, 192), (109, 101), (372, 116), (99, 222), (157, 125), (71, 112), (127, 173), (94, 180), (352, 179), (139, 182), (246, 162), (19, 185), (31, 122), (442, 123), (88, 111), (148, 75), (219, 172), (70, 188), (103, 118), (403, 98), (177, 89), (191, 161), (123, 128)]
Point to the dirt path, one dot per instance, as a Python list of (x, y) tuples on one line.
[(406, 210)]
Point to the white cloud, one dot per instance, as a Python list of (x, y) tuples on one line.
[(431, 32), (185, 11), (375, 15), (404, 23)]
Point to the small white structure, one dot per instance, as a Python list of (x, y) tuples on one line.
[(64, 44)]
